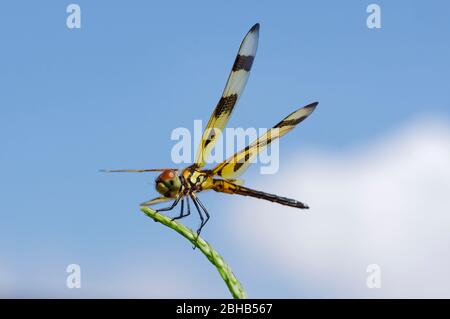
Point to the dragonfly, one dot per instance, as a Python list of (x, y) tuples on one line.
[(183, 185)]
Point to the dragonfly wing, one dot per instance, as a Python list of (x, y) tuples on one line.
[(136, 170), (235, 165), (156, 200), (233, 90)]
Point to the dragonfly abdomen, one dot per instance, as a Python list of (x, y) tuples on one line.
[(227, 187)]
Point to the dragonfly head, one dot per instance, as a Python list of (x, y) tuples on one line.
[(168, 183)]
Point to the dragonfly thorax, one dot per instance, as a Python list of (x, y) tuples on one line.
[(195, 179), (168, 183)]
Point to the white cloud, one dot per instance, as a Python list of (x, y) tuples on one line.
[(386, 204)]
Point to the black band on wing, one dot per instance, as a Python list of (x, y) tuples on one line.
[(225, 105), (243, 62)]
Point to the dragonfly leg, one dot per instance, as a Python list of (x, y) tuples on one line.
[(194, 199), (175, 202), (182, 214), (204, 210), (181, 210), (156, 200), (200, 208)]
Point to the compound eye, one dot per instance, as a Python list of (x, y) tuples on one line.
[(168, 183), (166, 175), (161, 188)]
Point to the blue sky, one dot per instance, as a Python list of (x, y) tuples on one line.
[(109, 94)]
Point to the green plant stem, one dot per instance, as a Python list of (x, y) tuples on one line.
[(213, 256)]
